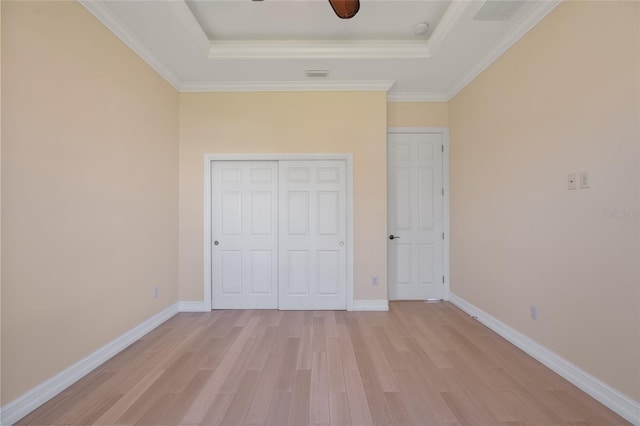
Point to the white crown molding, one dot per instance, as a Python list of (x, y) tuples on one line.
[(523, 26), (32, 399), (287, 86), (306, 49), (455, 10), (102, 12), (189, 306), (608, 396), (417, 97), (370, 305), (374, 49)]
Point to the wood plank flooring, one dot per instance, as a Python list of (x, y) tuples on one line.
[(418, 364)]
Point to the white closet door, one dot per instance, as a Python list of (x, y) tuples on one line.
[(244, 234), (313, 235), (415, 216)]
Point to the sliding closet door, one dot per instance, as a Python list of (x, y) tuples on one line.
[(312, 218), (244, 226)]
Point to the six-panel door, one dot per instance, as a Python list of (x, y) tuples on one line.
[(415, 216), (244, 235), (313, 224)]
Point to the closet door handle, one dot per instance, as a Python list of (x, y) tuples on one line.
[(394, 237)]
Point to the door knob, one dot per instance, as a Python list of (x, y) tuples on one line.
[(215, 243), (393, 237)]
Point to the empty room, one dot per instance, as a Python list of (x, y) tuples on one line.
[(320, 212)]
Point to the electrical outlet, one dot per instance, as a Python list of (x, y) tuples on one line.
[(533, 312), (374, 281), (572, 181), (584, 180), (155, 292)]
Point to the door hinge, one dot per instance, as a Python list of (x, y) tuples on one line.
[(443, 279), (443, 235), (443, 192), (442, 148)]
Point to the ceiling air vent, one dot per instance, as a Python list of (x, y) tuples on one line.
[(316, 73), (498, 10)]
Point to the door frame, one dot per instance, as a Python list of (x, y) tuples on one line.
[(445, 201), (209, 158)]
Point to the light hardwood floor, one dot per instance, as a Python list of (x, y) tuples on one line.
[(418, 364)]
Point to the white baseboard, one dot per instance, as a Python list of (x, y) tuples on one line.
[(370, 305), (608, 396), (26, 403), (185, 306), (358, 305)]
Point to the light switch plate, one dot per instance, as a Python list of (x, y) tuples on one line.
[(584, 180)]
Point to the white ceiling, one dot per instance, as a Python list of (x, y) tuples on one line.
[(314, 20), (228, 45)]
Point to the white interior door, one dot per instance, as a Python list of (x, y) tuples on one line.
[(244, 226), (313, 222), (415, 215)]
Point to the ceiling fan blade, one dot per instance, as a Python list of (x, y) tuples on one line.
[(345, 9)]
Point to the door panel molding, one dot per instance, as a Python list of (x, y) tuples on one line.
[(207, 187), (444, 131)]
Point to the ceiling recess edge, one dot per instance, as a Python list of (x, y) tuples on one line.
[(374, 49)]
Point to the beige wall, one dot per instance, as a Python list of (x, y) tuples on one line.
[(89, 190), (90, 185), (417, 114), (0, 211), (565, 98), (341, 122)]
